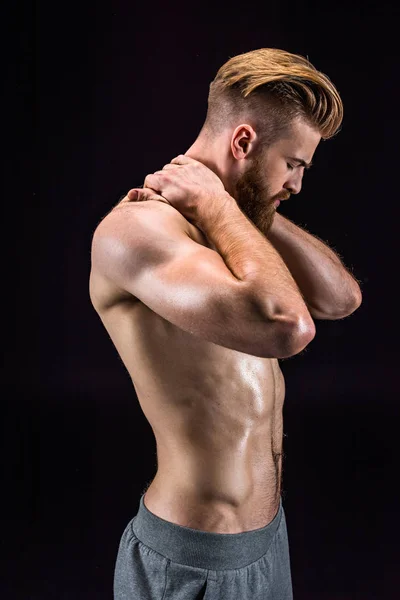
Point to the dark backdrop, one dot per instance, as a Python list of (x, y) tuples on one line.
[(112, 93)]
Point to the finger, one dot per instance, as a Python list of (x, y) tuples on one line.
[(138, 194), (133, 194), (182, 159), (150, 194), (152, 181), (169, 166)]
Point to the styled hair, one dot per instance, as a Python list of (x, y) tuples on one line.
[(269, 88)]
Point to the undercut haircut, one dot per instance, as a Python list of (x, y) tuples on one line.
[(268, 88)]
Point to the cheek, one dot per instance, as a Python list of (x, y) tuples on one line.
[(277, 178)]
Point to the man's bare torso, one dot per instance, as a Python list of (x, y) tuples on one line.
[(216, 415)]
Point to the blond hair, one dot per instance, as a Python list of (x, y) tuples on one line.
[(272, 87)]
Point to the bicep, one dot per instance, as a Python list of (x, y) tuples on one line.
[(185, 283)]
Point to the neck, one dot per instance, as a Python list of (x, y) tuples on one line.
[(204, 154), (211, 157)]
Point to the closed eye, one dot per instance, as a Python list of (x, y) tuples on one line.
[(291, 167)]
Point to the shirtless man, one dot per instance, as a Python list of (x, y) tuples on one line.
[(202, 287)]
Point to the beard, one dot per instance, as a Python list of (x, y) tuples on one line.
[(254, 198)]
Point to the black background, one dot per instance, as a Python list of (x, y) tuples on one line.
[(112, 92)]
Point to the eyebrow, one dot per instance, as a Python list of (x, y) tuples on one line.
[(302, 162)]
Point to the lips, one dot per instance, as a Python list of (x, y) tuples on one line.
[(278, 200)]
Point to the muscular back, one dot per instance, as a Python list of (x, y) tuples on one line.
[(216, 412)]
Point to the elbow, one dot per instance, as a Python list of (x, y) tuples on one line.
[(293, 328), (352, 305), (341, 309), (357, 300), (298, 332), (302, 333)]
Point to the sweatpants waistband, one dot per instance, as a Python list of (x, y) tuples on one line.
[(203, 549)]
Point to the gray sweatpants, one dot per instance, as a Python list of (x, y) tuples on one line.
[(159, 560)]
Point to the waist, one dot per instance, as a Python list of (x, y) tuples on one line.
[(229, 502), (203, 549)]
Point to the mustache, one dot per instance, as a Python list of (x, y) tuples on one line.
[(282, 196)]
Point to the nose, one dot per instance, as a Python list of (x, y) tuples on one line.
[(293, 185)]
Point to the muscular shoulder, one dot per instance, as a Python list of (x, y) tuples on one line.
[(149, 215), (136, 233)]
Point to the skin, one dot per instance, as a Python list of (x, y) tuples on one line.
[(216, 413), (256, 176)]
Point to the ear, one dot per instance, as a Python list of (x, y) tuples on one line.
[(243, 140)]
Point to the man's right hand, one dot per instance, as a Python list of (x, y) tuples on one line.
[(185, 183)]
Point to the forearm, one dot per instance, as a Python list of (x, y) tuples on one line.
[(324, 281), (252, 258)]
